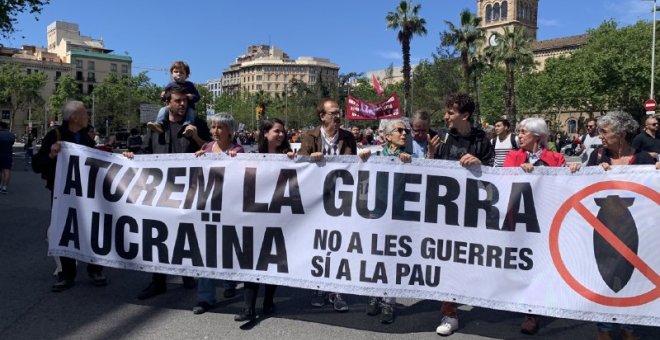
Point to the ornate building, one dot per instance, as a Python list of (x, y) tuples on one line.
[(498, 14)]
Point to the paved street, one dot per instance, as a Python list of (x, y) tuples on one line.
[(30, 311)]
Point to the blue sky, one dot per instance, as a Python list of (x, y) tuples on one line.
[(209, 34)]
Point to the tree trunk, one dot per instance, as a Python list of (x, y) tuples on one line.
[(466, 71), (510, 94), (405, 49)]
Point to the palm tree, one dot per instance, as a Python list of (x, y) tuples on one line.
[(406, 19), (466, 39), (513, 50)]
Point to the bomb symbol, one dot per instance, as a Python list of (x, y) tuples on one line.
[(615, 270)]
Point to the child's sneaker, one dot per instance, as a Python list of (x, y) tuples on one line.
[(155, 127)]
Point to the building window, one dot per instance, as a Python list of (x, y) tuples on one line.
[(79, 75), (6, 114), (29, 71), (58, 74), (258, 78), (113, 68), (572, 125), (80, 88), (124, 69), (91, 77), (259, 87), (496, 12), (503, 10), (90, 65), (79, 63), (90, 88)]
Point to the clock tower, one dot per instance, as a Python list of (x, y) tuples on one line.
[(497, 14)]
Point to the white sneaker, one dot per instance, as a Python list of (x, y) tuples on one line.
[(447, 326)]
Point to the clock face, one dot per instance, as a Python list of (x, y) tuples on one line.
[(492, 41)]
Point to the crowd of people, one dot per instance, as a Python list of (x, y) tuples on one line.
[(613, 140)]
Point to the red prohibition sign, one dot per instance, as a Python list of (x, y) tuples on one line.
[(574, 202)]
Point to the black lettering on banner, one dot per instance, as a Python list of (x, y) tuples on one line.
[(476, 255), (493, 256), (381, 195), (525, 256), (433, 199), (418, 276), (400, 196), (94, 165), (186, 236), (211, 246), (106, 246), (121, 186), (73, 180), (404, 244), (510, 258), (288, 179), (344, 271), (514, 216), (473, 204), (250, 193), (149, 240), (379, 273), (324, 240), (198, 183), (460, 251), (317, 263), (148, 181), (329, 189), (355, 243), (231, 244), (273, 236), (171, 187), (120, 236), (70, 231)]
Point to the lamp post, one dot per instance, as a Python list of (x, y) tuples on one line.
[(653, 52)]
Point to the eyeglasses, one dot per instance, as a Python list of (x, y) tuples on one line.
[(334, 113), (653, 124), (401, 130)]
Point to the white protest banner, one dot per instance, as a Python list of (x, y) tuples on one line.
[(580, 246)]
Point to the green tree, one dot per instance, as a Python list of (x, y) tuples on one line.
[(9, 9), (20, 90), (406, 19), (205, 101), (466, 39), (513, 50), (433, 80), (66, 90)]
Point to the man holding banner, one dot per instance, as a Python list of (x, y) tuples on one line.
[(469, 146), (171, 141), (75, 121)]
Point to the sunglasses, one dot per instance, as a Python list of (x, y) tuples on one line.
[(401, 130)]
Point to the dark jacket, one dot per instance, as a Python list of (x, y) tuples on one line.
[(43, 164), (603, 156), (454, 146), (312, 141), (158, 143)]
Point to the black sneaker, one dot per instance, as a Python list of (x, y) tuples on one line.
[(388, 313), (268, 309), (245, 315), (98, 279), (202, 307), (229, 293), (61, 285), (373, 307), (151, 291)]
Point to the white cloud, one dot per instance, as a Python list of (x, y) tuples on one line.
[(390, 55), (548, 22), (629, 11)]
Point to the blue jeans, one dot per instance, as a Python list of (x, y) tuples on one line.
[(164, 112), (608, 326), (206, 289)]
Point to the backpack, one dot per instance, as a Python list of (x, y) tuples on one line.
[(514, 144)]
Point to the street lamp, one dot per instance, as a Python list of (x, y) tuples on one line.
[(653, 50)]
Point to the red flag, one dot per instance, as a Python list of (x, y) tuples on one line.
[(377, 87)]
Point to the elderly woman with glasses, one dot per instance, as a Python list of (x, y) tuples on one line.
[(617, 130), (533, 147), (533, 151)]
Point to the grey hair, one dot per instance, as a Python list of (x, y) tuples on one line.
[(620, 122), (422, 116), (71, 107), (391, 123), (537, 127), (223, 118)]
